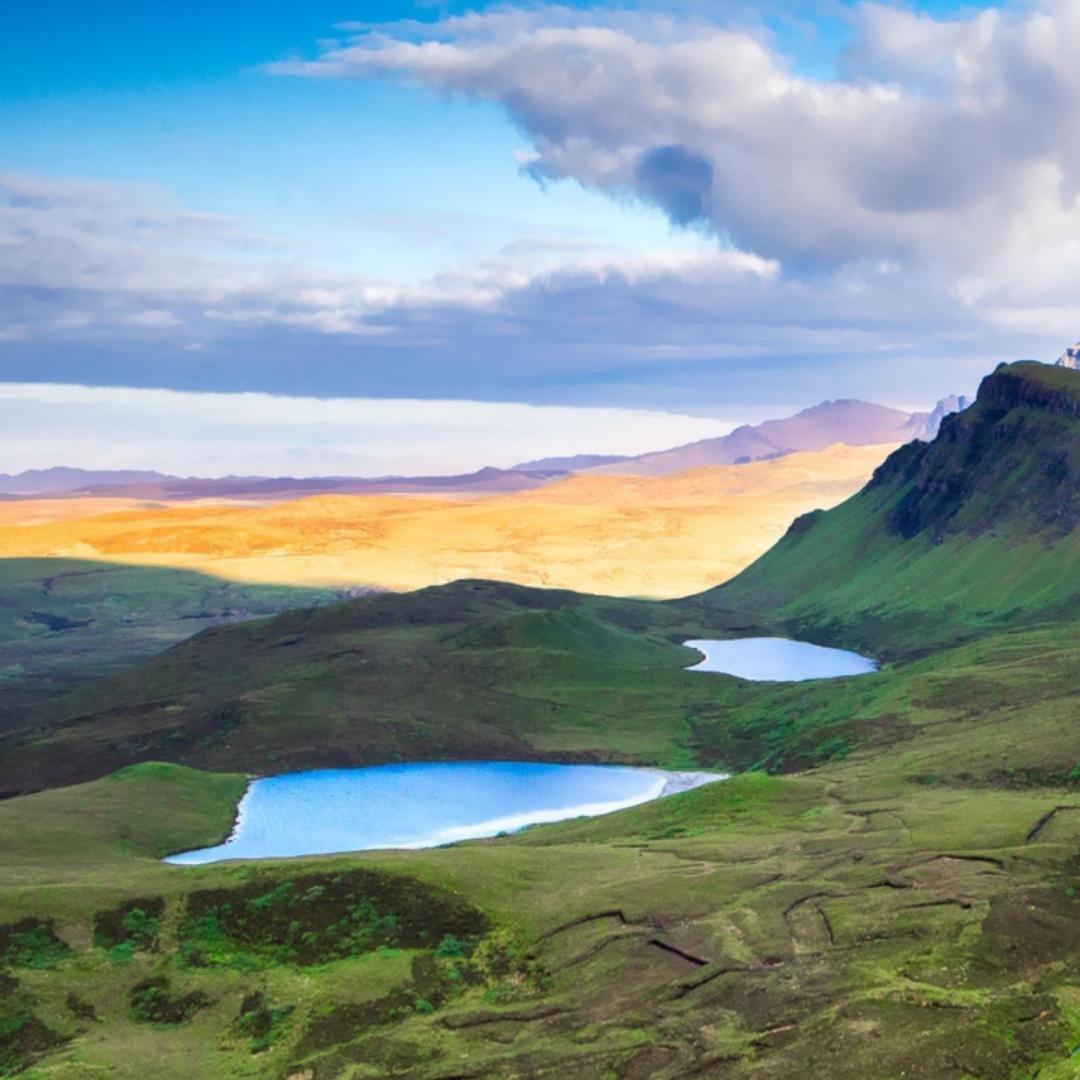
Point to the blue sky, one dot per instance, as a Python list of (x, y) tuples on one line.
[(869, 200), (171, 95)]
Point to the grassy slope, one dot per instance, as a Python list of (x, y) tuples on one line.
[(476, 669), (908, 907), (971, 532), (65, 621), (883, 912)]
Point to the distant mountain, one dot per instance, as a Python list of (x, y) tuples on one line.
[(573, 463), (856, 423), (945, 407), (62, 479), (484, 481)]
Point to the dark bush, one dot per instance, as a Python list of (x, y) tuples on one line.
[(321, 917), (152, 1002)]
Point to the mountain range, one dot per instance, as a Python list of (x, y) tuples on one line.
[(854, 423), (107, 484), (62, 478)]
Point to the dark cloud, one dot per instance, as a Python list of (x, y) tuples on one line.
[(678, 181)]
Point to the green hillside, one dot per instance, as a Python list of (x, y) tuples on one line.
[(469, 670), (64, 622), (974, 531), (889, 888)]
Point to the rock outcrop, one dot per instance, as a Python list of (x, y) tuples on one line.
[(954, 403), (1070, 358)]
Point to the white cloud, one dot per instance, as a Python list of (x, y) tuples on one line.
[(111, 255), (948, 146), (215, 434)]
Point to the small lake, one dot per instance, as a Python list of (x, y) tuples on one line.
[(773, 659), (424, 805)]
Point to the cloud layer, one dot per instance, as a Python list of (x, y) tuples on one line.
[(888, 231), (113, 284)]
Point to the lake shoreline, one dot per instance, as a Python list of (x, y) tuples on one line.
[(776, 659), (614, 788)]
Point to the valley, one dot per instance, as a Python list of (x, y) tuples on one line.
[(887, 887), (540, 540), (663, 536)]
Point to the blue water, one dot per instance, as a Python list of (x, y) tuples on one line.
[(413, 806), (778, 659)]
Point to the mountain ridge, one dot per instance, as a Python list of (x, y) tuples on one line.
[(813, 428), (988, 512), (486, 479), (845, 420)]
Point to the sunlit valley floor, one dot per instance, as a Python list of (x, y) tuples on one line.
[(658, 536)]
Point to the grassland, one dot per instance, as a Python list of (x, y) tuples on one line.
[(471, 670), (64, 622), (617, 535), (890, 887), (907, 907)]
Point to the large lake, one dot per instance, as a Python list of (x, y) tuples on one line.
[(772, 659), (424, 805)]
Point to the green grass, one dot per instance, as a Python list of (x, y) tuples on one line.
[(891, 887), (741, 875), (885, 901), (470, 670), (64, 622)]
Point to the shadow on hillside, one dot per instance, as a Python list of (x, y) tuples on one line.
[(64, 622)]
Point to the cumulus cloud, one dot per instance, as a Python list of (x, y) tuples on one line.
[(86, 256), (948, 145), (80, 256), (213, 434)]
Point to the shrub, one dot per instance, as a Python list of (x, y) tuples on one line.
[(132, 926), (260, 1022), (152, 1002), (31, 943)]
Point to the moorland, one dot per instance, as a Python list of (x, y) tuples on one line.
[(888, 886)]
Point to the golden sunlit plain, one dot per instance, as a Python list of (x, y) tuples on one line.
[(619, 535)]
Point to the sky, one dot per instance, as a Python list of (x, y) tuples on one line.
[(664, 216)]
